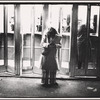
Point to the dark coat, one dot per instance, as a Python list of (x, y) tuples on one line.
[(48, 62), (81, 43)]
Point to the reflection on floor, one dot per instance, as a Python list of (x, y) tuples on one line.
[(92, 65), (28, 71), (36, 72), (5, 73)]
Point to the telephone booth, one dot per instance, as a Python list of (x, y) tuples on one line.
[(90, 18), (22, 27)]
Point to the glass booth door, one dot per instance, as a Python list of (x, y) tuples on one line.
[(2, 67), (33, 20), (86, 44), (10, 39), (66, 20), (31, 34), (7, 42), (61, 19), (26, 37)]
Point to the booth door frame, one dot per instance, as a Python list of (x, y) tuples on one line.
[(73, 58)]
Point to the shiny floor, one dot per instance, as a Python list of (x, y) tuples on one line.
[(13, 87)]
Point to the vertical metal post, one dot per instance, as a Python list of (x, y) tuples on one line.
[(17, 39), (73, 52), (33, 37), (98, 49), (5, 37), (45, 16), (59, 53), (88, 33)]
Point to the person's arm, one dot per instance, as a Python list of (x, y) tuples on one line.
[(44, 43), (58, 45)]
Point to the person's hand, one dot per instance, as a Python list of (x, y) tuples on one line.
[(58, 45), (45, 45)]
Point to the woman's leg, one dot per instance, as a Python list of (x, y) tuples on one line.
[(45, 75), (52, 77), (79, 64)]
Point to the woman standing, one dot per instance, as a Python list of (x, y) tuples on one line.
[(48, 64)]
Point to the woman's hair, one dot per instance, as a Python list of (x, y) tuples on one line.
[(52, 32)]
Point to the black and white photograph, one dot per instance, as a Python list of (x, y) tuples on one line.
[(49, 49)]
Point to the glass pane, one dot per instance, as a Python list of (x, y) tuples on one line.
[(38, 18), (66, 18), (38, 37), (10, 38), (66, 42), (11, 19), (26, 29), (82, 15), (94, 25), (37, 47), (82, 36), (94, 20), (54, 16), (26, 11), (1, 36), (37, 50)]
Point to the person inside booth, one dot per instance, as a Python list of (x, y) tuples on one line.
[(84, 42), (81, 45)]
